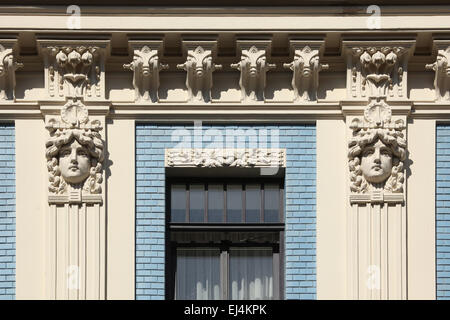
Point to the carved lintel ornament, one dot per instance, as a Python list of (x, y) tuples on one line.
[(8, 67), (74, 153), (146, 67), (253, 68), (199, 67), (74, 69), (377, 150), (441, 67), (378, 69), (306, 68), (217, 158)]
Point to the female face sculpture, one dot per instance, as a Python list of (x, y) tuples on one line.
[(74, 162), (376, 162)]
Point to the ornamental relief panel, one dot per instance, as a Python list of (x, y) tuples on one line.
[(377, 69), (74, 69), (376, 152), (218, 158), (75, 153)]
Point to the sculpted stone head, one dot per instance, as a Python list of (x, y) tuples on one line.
[(74, 162), (376, 162), (74, 158), (376, 158)]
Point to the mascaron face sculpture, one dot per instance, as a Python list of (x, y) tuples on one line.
[(74, 158), (376, 158)]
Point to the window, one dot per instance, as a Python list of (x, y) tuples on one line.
[(224, 239)]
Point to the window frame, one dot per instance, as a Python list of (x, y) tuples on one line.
[(212, 181), (278, 249)]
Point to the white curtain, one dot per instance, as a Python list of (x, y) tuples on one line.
[(251, 274), (198, 274)]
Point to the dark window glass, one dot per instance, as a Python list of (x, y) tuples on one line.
[(198, 274), (178, 203), (253, 203), (197, 203), (234, 203), (271, 203), (251, 274), (215, 203)]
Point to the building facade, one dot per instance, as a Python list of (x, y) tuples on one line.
[(246, 152)]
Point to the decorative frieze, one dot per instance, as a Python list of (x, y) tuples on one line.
[(217, 158), (377, 69), (146, 67), (306, 68), (8, 67), (253, 68), (442, 70), (199, 67), (74, 69)]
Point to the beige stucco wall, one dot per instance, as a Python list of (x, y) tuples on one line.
[(30, 209), (331, 209), (421, 209), (121, 210)]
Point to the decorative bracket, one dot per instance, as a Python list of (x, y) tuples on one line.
[(146, 68), (377, 69), (199, 67), (74, 69), (442, 70), (8, 67), (253, 68), (306, 68)]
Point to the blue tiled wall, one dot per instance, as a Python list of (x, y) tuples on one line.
[(7, 213), (300, 190), (443, 211)]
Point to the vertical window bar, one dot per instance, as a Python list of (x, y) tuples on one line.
[(281, 204), (225, 203), (205, 213), (261, 203), (188, 209), (224, 273), (244, 208)]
